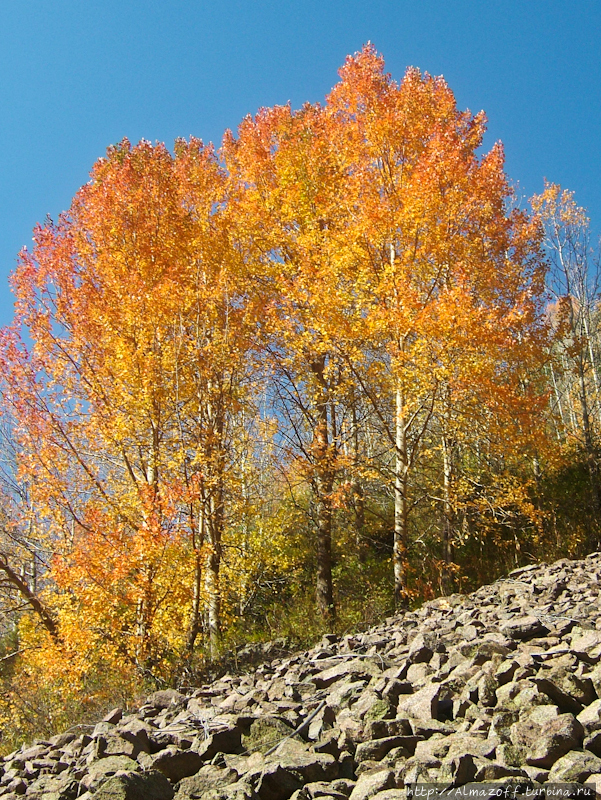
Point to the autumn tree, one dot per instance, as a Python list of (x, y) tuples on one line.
[(574, 282), (289, 190), (451, 283), (124, 370), (340, 309)]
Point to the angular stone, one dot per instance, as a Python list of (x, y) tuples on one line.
[(328, 744), (364, 706), (422, 704), (487, 687), (50, 787), (273, 782), (135, 786), (510, 755), (344, 693), (379, 710), (382, 728), (593, 743), (376, 749), (587, 645), (35, 751), (176, 764), (464, 744), (422, 648), (531, 696), (486, 651), (322, 722), (565, 701), (241, 790), (418, 674), (209, 776), (541, 715), (590, 717), (141, 730), (112, 764), (265, 733), (166, 698), (227, 741), (427, 728), (200, 710), (309, 767), (434, 749), (113, 716), (458, 770), (370, 783), (546, 743), (505, 672), (394, 688), (493, 771), (124, 745), (575, 766), (524, 628), (567, 677), (391, 794), (359, 668)]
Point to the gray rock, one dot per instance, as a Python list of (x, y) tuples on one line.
[(487, 688), (590, 717), (391, 794), (135, 786), (546, 743), (208, 776), (422, 704), (494, 771), (376, 749), (50, 787), (226, 741), (593, 743), (241, 790), (370, 784), (484, 687), (296, 758), (126, 744), (587, 645), (174, 763), (524, 628), (458, 770), (111, 765), (359, 668), (113, 716), (381, 729), (274, 782), (575, 766), (166, 698), (566, 702), (422, 648)]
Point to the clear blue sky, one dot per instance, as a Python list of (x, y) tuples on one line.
[(77, 76)]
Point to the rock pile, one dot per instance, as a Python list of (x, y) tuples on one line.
[(503, 684)]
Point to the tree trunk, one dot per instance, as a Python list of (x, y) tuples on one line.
[(195, 614), (45, 615), (590, 455), (214, 509), (324, 589), (323, 484), (448, 528), (357, 493), (213, 566), (213, 599), (401, 535)]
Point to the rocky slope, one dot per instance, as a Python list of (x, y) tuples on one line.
[(503, 684)]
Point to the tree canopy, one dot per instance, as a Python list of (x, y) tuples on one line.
[(322, 355)]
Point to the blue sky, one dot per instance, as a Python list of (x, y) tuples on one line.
[(78, 76)]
